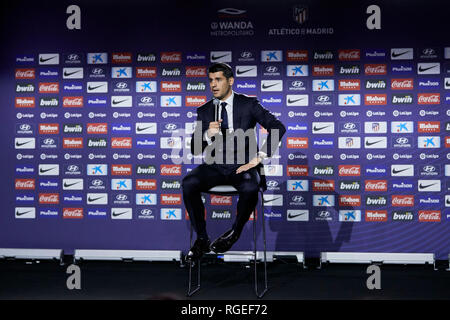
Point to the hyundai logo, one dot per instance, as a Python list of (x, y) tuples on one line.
[(298, 199), (297, 84), (323, 98), (146, 212), (324, 214), (146, 99), (429, 169), (97, 182), (271, 69), (72, 168), (171, 126), (402, 140), (49, 141), (121, 197), (349, 126), (73, 57), (246, 55), (272, 183), (121, 85), (97, 71), (428, 51), (25, 127)]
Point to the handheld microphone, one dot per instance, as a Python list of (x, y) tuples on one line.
[(216, 105)]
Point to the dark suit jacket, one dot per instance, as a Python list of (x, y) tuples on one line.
[(247, 111)]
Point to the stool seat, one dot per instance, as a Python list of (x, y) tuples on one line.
[(223, 189)]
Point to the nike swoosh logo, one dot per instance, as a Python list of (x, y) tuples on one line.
[(115, 214), (448, 201), (22, 213), (67, 185), (425, 69), (117, 102), (268, 86), (66, 74), (321, 128), (45, 170), (142, 129), (19, 144), (45, 60), (93, 88), (394, 171), (421, 186), (243, 71), (294, 215), (92, 200), (292, 101), (218, 57), (397, 54), (447, 84), (271, 200), (372, 143)]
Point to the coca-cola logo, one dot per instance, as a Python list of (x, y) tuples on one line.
[(73, 213), (376, 185), (402, 84), (402, 200), (49, 198), (375, 69), (170, 57), (49, 87), (349, 55), (195, 71), (221, 200), (429, 98), (25, 184), (429, 216), (25, 73), (97, 128), (171, 170), (349, 170), (121, 143), (72, 101)]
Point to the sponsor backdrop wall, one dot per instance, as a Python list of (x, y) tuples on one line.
[(98, 101)]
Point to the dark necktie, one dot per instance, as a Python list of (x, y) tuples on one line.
[(224, 116)]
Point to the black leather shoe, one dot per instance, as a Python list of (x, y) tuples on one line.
[(225, 241), (200, 247)]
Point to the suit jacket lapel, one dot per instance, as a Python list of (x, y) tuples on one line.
[(236, 111)]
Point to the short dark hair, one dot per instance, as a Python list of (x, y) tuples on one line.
[(224, 67)]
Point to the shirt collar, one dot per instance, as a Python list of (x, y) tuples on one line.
[(229, 101)]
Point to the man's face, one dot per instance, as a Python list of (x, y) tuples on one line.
[(220, 86)]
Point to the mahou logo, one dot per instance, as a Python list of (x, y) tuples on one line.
[(48, 128), (25, 73), (170, 199), (195, 101), (121, 143), (25, 184), (349, 55), (323, 70), (297, 55), (323, 185), (121, 170), (403, 201), (297, 170), (349, 84), (195, 72), (170, 170), (146, 184), (170, 57), (375, 69), (73, 213), (428, 126), (48, 198), (221, 200), (121, 57), (25, 102), (349, 170), (97, 128), (376, 185), (48, 87), (73, 143), (429, 216), (170, 86), (75, 102), (429, 98), (146, 72), (297, 143), (376, 215), (375, 99), (402, 84), (350, 201)]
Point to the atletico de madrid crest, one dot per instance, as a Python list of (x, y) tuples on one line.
[(300, 14)]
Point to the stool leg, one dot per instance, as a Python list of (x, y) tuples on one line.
[(190, 291), (260, 295)]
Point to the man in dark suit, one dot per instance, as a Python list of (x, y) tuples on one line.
[(231, 156)]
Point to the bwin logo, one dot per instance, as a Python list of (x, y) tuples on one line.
[(323, 98), (402, 140), (121, 197)]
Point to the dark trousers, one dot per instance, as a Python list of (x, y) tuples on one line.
[(204, 177)]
